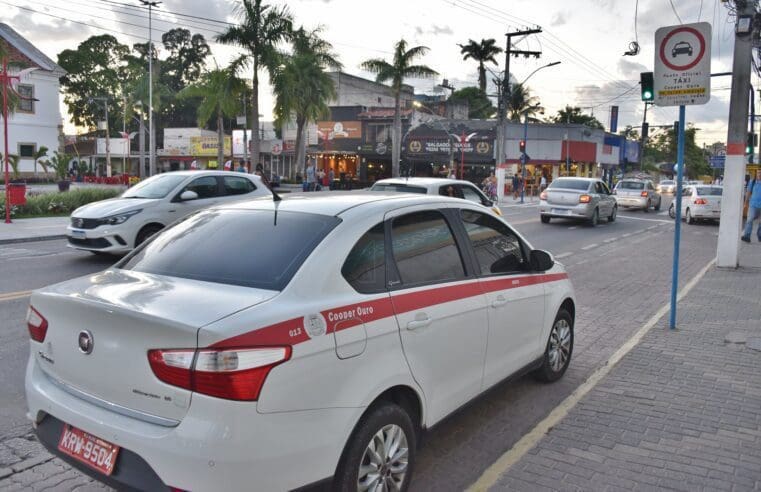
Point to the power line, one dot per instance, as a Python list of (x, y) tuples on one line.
[(675, 12)]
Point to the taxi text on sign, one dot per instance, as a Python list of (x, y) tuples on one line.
[(682, 70)]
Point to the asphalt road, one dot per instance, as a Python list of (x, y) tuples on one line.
[(621, 272)]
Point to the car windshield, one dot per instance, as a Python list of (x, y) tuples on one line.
[(631, 185), (709, 190), (155, 187), (667, 182), (251, 248), (397, 187), (571, 184)]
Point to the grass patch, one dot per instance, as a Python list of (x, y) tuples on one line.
[(57, 204)]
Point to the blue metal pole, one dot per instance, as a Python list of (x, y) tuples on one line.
[(523, 154), (678, 210)]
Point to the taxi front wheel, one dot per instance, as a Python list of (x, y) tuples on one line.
[(557, 354), (380, 453)]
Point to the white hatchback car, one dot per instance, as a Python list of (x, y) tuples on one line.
[(267, 345), (456, 188), (117, 225)]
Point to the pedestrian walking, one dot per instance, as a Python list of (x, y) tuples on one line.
[(515, 186), (194, 165), (228, 166), (542, 183), (242, 167), (753, 197), (311, 175), (331, 177)]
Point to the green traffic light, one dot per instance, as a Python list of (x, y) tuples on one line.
[(647, 95)]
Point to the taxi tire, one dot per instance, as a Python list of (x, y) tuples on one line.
[(546, 373), (688, 217), (658, 207), (146, 232), (377, 417), (545, 219), (613, 214), (595, 218)]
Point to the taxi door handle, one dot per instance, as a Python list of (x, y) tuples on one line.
[(498, 302), (419, 323)]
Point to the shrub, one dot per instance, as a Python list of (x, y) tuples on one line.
[(58, 203)]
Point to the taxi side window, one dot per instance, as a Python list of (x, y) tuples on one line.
[(205, 186), (365, 266), (471, 195), (424, 249), (235, 185), (498, 250)]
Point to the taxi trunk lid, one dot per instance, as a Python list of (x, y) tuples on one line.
[(560, 196), (125, 314)]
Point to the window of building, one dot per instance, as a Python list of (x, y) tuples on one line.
[(425, 250), (365, 267), (26, 104), (378, 132), (27, 149)]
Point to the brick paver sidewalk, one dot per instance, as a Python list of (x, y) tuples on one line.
[(681, 411)]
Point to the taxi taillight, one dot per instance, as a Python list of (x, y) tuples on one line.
[(644, 194), (37, 324), (232, 374), (701, 201), (585, 198), (543, 195)]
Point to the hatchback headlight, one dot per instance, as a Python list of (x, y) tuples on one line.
[(118, 218)]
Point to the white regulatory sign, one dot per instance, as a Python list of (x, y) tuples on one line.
[(682, 70)]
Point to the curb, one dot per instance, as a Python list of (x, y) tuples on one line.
[(32, 239)]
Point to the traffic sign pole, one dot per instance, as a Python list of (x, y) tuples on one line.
[(678, 210)]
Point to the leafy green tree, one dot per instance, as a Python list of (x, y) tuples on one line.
[(521, 101), (60, 161), (479, 105), (400, 68), (662, 147), (482, 52), (219, 92), (262, 28), (186, 57), (39, 154), (94, 69), (575, 115), (302, 87)]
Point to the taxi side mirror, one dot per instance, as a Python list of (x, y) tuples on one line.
[(188, 195), (540, 261)]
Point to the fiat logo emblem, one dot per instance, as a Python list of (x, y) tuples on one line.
[(85, 341)]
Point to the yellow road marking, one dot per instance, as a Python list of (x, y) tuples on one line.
[(528, 441), (12, 296)]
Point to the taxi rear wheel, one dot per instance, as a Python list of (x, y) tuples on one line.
[(380, 453), (557, 354)]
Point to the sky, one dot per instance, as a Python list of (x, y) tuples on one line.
[(588, 37)]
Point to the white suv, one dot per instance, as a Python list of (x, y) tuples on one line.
[(266, 345), (117, 225)]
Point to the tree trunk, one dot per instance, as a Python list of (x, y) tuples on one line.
[(141, 172), (481, 77), (396, 136), (221, 140), (255, 144), (301, 144)]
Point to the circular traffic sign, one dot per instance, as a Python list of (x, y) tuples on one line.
[(681, 48)]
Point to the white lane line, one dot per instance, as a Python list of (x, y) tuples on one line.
[(626, 235), (11, 296), (610, 240), (563, 255), (528, 441), (646, 220), (652, 227), (590, 246), (573, 228)]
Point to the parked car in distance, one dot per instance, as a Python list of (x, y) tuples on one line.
[(637, 193), (578, 198), (437, 186), (118, 225), (269, 345), (699, 202), (666, 186)]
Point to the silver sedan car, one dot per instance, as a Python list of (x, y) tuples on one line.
[(578, 198), (637, 193)]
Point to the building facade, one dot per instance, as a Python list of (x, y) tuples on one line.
[(37, 120)]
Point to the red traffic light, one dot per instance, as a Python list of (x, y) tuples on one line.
[(522, 145)]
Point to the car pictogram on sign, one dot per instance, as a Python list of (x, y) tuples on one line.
[(681, 48)]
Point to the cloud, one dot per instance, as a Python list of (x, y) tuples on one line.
[(436, 30), (42, 29), (558, 19)]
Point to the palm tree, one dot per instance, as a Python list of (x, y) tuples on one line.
[(262, 28), (41, 152), (482, 52), (521, 101), (302, 87), (219, 91), (400, 68)]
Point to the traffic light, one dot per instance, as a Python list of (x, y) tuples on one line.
[(522, 146), (751, 143), (645, 130), (646, 86)]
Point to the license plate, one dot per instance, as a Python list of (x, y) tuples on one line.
[(78, 234), (88, 449), (560, 211)]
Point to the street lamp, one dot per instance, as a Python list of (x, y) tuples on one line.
[(525, 129), (419, 105)]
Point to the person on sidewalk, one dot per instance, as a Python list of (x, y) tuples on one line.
[(753, 196)]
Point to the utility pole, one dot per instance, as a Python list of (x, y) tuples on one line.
[(728, 250), (505, 93), (108, 136), (151, 136), (245, 131)]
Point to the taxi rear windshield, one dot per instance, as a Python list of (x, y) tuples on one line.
[(250, 248), (570, 184), (398, 187), (631, 185)]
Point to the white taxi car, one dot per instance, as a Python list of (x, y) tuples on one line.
[(265, 345), (117, 225), (456, 188)]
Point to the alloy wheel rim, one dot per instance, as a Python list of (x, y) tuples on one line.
[(384, 464), (560, 345)]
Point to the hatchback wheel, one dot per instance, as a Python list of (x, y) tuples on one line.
[(380, 453), (613, 213), (595, 218), (688, 217), (658, 207), (647, 207), (557, 355), (146, 232), (672, 211), (545, 219)]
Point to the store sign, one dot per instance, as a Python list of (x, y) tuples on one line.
[(333, 130), (201, 146), (431, 146)]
